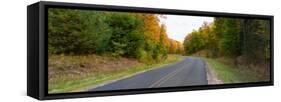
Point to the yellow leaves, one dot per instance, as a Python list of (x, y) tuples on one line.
[(151, 27), (175, 46)]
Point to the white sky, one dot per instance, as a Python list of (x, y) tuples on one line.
[(179, 26)]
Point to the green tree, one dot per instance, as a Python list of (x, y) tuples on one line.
[(256, 40), (126, 34), (230, 37), (65, 32)]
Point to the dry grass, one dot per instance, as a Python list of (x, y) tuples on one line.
[(75, 73), (68, 68), (73, 67), (231, 71)]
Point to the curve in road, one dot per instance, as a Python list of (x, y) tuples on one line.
[(187, 72)]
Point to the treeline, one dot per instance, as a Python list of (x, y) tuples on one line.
[(248, 39), (118, 34)]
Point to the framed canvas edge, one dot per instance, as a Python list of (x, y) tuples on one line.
[(43, 55)]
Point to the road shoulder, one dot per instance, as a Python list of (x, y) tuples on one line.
[(212, 75)]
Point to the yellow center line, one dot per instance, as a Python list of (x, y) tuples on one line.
[(165, 78)]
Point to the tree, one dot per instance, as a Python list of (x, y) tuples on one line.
[(65, 32), (119, 34), (127, 34), (194, 42), (230, 37), (164, 41), (256, 40)]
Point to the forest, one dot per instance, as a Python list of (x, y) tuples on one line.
[(87, 48), (131, 35), (245, 41)]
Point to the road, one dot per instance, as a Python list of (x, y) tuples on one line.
[(187, 72)]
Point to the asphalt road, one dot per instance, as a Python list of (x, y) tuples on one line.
[(188, 72)]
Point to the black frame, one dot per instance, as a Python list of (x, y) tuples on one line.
[(37, 74)]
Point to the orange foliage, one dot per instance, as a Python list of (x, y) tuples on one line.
[(151, 27), (175, 46)]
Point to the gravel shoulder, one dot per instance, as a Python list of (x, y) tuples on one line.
[(212, 76)]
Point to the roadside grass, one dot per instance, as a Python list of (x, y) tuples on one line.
[(73, 73), (232, 74)]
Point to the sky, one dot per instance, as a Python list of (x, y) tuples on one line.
[(178, 26)]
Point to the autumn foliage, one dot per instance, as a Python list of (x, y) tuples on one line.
[(119, 34), (245, 41)]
